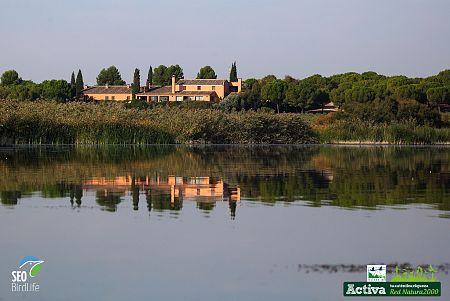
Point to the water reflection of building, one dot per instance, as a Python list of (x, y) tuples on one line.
[(200, 189), (171, 189)]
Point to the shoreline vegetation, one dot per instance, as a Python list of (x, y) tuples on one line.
[(50, 122), (111, 123), (368, 108)]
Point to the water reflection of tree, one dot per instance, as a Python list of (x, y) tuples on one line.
[(10, 198), (206, 206), (135, 194), (76, 192), (308, 185), (232, 205), (344, 176), (162, 202), (368, 177), (108, 200)]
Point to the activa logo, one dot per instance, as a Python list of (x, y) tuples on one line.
[(404, 283), (29, 267), (364, 289)]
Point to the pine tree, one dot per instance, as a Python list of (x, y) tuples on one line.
[(206, 72), (73, 89), (136, 83), (79, 84), (149, 77), (233, 73), (110, 76)]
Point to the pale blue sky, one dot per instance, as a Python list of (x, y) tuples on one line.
[(48, 39)]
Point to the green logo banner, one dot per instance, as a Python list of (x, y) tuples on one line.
[(392, 289)]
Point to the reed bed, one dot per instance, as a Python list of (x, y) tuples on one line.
[(355, 131), (76, 123), (47, 122), (214, 126)]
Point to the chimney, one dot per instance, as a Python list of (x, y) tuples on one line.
[(173, 84), (106, 86)]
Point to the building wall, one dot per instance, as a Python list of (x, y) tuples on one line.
[(118, 97), (237, 84), (219, 89), (173, 97)]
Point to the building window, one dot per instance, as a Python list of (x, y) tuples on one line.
[(214, 88), (106, 97), (128, 97), (154, 98), (113, 98), (199, 88), (164, 98), (198, 98), (179, 98)]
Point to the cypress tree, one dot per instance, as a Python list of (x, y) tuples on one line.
[(233, 73), (72, 85), (150, 76), (79, 84), (136, 83)]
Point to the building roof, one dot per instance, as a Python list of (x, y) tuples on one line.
[(107, 90), (328, 107), (200, 82), (167, 90)]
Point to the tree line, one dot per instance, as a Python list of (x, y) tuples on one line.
[(368, 96), (13, 87)]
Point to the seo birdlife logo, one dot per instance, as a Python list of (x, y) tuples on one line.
[(23, 278)]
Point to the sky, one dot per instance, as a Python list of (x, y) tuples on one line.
[(48, 39)]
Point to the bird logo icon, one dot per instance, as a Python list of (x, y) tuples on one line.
[(33, 264)]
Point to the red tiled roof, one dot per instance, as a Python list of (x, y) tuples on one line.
[(107, 90), (200, 82), (167, 90)]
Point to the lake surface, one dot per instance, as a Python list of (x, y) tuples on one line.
[(219, 222)]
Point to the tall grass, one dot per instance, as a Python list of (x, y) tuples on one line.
[(76, 123), (112, 123), (214, 126), (395, 133)]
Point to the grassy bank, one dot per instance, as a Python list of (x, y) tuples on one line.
[(344, 132), (111, 123), (45, 122), (75, 123)]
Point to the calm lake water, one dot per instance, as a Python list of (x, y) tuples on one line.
[(219, 222)]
